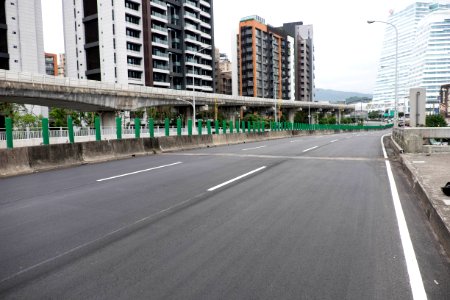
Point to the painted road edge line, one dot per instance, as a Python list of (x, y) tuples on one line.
[(415, 277), (137, 172), (334, 141), (309, 149), (246, 149), (235, 179)]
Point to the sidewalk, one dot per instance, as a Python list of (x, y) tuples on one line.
[(429, 174)]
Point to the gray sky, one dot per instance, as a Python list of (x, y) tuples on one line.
[(346, 47)]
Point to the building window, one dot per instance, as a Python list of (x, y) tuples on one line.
[(132, 19), (134, 74), (133, 33), (131, 5)]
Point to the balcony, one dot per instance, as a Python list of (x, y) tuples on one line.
[(192, 5), (160, 4), (159, 17)]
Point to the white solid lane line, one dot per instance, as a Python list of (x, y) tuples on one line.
[(415, 277), (309, 149), (236, 178), (137, 172), (246, 149), (334, 141)]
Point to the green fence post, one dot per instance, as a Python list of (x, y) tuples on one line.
[(254, 127), (151, 127), (179, 127), (70, 130), (119, 128), (224, 127), (238, 129), (200, 127), (231, 126), (208, 126), (249, 126), (243, 126), (189, 127), (216, 125), (9, 133), (98, 132), (137, 128), (167, 126), (45, 132)]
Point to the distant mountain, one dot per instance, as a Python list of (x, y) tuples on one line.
[(336, 96)]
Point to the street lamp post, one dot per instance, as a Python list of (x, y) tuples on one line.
[(193, 82), (396, 69)]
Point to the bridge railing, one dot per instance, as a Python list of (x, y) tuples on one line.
[(47, 135)]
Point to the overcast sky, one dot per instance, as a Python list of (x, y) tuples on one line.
[(346, 47)]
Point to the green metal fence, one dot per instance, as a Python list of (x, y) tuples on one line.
[(229, 127)]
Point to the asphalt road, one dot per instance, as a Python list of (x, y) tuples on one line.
[(301, 218)]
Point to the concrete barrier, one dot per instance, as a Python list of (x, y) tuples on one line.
[(51, 156), (177, 143), (14, 161), (97, 151), (412, 140)]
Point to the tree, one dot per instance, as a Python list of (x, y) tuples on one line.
[(58, 117), (435, 121), (301, 117), (374, 114)]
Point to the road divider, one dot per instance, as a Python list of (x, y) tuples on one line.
[(235, 179)]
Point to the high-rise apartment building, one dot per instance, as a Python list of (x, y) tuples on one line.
[(160, 43), (423, 53), (51, 64), (22, 40), (223, 80), (61, 64), (21, 36), (303, 59), (264, 60)]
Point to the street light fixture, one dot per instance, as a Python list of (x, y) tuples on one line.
[(396, 68), (193, 81)]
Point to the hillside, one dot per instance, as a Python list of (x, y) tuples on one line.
[(335, 96)]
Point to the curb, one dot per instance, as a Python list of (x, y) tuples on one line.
[(434, 218)]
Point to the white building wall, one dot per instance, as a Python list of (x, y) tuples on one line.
[(74, 39), (292, 66), (26, 41)]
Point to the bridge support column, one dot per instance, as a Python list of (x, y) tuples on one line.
[(291, 115), (188, 115), (108, 118)]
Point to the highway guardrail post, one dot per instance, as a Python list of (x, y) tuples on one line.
[(45, 132), (119, 128), (208, 126), (167, 126), (179, 127), (98, 132), (216, 125), (200, 127), (70, 130), (137, 128), (9, 133), (151, 127), (189, 127)]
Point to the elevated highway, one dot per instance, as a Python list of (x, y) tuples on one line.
[(88, 95)]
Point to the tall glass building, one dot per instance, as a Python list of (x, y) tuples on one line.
[(423, 54)]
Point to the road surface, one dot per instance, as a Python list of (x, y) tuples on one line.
[(299, 218)]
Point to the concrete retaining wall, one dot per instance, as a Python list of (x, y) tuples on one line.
[(412, 139)]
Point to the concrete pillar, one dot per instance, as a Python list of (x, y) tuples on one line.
[(187, 115), (108, 119), (291, 115)]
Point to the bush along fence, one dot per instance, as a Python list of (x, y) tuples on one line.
[(209, 127)]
